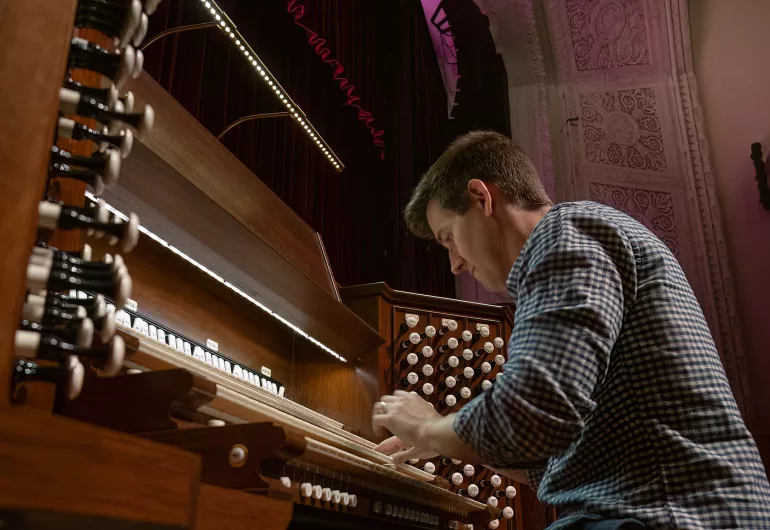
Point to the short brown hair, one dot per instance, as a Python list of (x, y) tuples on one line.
[(487, 156)]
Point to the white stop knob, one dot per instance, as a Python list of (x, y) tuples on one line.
[(412, 321), (499, 360), (469, 470), (414, 461), (467, 335), (427, 388), (286, 482), (452, 343), (450, 382), (494, 524), (492, 501), (465, 392), (317, 491), (452, 325), (510, 492), (414, 338), (430, 331), (427, 369), (489, 347), (457, 479), (507, 512), (353, 501), (429, 467), (467, 354), (450, 400), (453, 361), (498, 375), (412, 377), (456, 462), (412, 358), (486, 384), (495, 480), (498, 342), (484, 330), (336, 496), (473, 490), (326, 494), (237, 456), (468, 372), (344, 498), (427, 351), (306, 489), (486, 367)]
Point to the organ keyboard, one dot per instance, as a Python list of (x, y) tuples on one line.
[(113, 416)]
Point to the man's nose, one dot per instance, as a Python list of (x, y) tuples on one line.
[(458, 265)]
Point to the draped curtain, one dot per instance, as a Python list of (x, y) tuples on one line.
[(385, 48)]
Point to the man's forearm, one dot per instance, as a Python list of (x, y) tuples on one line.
[(442, 438)]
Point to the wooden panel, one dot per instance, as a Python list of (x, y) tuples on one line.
[(33, 37), (344, 392), (189, 149), (174, 293), (220, 508), (426, 302), (170, 206), (53, 463)]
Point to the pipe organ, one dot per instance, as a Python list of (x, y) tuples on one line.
[(175, 352)]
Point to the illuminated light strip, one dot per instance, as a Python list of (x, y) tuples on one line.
[(217, 277), (225, 24)]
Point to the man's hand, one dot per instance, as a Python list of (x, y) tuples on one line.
[(407, 416), (420, 431), (401, 452)]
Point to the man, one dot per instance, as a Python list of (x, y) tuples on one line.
[(613, 398)]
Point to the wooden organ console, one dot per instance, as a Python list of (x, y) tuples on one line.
[(208, 373)]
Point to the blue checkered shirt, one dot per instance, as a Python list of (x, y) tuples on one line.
[(613, 396)]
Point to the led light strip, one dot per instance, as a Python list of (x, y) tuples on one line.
[(217, 277), (226, 25)]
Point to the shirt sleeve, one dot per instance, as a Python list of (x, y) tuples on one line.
[(577, 277)]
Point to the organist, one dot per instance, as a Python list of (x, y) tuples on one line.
[(614, 399)]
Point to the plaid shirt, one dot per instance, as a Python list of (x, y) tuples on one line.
[(614, 397)]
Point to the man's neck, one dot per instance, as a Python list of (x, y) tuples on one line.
[(520, 224)]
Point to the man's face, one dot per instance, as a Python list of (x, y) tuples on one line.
[(474, 241)]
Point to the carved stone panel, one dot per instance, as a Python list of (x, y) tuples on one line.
[(623, 129), (608, 33), (635, 140)]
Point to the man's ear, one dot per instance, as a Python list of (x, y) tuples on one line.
[(480, 195)]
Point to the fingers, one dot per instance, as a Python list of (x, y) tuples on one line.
[(390, 446), (407, 454), (379, 422)]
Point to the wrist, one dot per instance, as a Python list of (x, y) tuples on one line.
[(431, 435)]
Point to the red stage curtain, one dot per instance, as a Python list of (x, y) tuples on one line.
[(385, 48)]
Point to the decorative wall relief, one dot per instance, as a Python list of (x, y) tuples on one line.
[(624, 69), (623, 129), (608, 33), (654, 209)]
